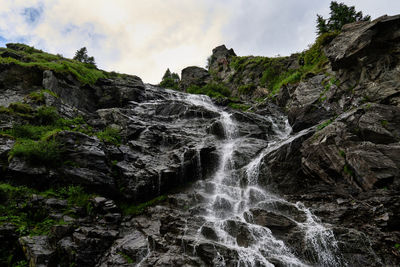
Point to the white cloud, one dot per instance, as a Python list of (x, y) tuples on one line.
[(144, 37)]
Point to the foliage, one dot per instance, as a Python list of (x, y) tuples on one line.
[(110, 135), (324, 124), (46, 115), (40, 152), (82, 56), (38, 97), (21, 108), (210, 61), (247, 89), (238, 106), (215, 90), (126, 257), (84, 72), (170, 80), (129, 209), (340, 15)]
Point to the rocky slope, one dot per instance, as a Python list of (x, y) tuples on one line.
[(108, 171)]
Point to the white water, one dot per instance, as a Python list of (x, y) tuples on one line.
[(229, 201)]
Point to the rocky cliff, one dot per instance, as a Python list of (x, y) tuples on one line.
[(99, 169)]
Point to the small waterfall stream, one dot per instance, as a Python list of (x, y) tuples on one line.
[(231, 196)]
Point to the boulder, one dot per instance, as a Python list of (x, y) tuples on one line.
[(194, 76)]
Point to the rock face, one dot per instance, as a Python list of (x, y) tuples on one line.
[(194, 76)]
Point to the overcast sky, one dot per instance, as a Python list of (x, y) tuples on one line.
[(145, 37)]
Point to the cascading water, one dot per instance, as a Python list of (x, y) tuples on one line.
[(231, 194)]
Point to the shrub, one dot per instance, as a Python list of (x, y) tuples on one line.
[(170, 80), (22, 108), (28, 131), (247, 89), (47, 115), (47, 153), (110, 135)]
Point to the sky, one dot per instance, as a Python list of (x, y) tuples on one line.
[(145, 37)]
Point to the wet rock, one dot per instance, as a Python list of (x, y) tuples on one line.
[(132, 248), (209, 233), (272, 220), (37, 250), (119, 92)]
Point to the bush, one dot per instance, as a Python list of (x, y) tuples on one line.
[(110, 135), (170, 80), (247, 89), (169, 83), (22, 108), (28, 131), (47, 153), (47, 115)]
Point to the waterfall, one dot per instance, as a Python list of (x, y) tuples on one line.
[(231, 197)]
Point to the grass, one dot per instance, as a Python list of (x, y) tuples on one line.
[(238, 106), (275, 72), (47, 153), (16, 208), (215, 90), (36, 138), (38, 97), (110, 135), (129, 209), (31, 57), (247, 89)]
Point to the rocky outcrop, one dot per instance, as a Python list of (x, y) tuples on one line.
[(360, 149), (194, 76)]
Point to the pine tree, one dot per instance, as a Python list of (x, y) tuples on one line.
[(82, 56), (340, 15)]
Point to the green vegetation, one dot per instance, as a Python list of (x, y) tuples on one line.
[(30, 57), (247, 89), (129, 209), (36, 140), (275, 72), (215, 90), (340, 15), (170, 80), (238, 106), (47, 153), (16, 207), (82, 56), (324, 124), (38, 97), (347, 169), (110, 135), (126, 257)]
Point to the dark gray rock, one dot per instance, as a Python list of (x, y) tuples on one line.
[(354, 149), (37, 250), (194, 76)]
